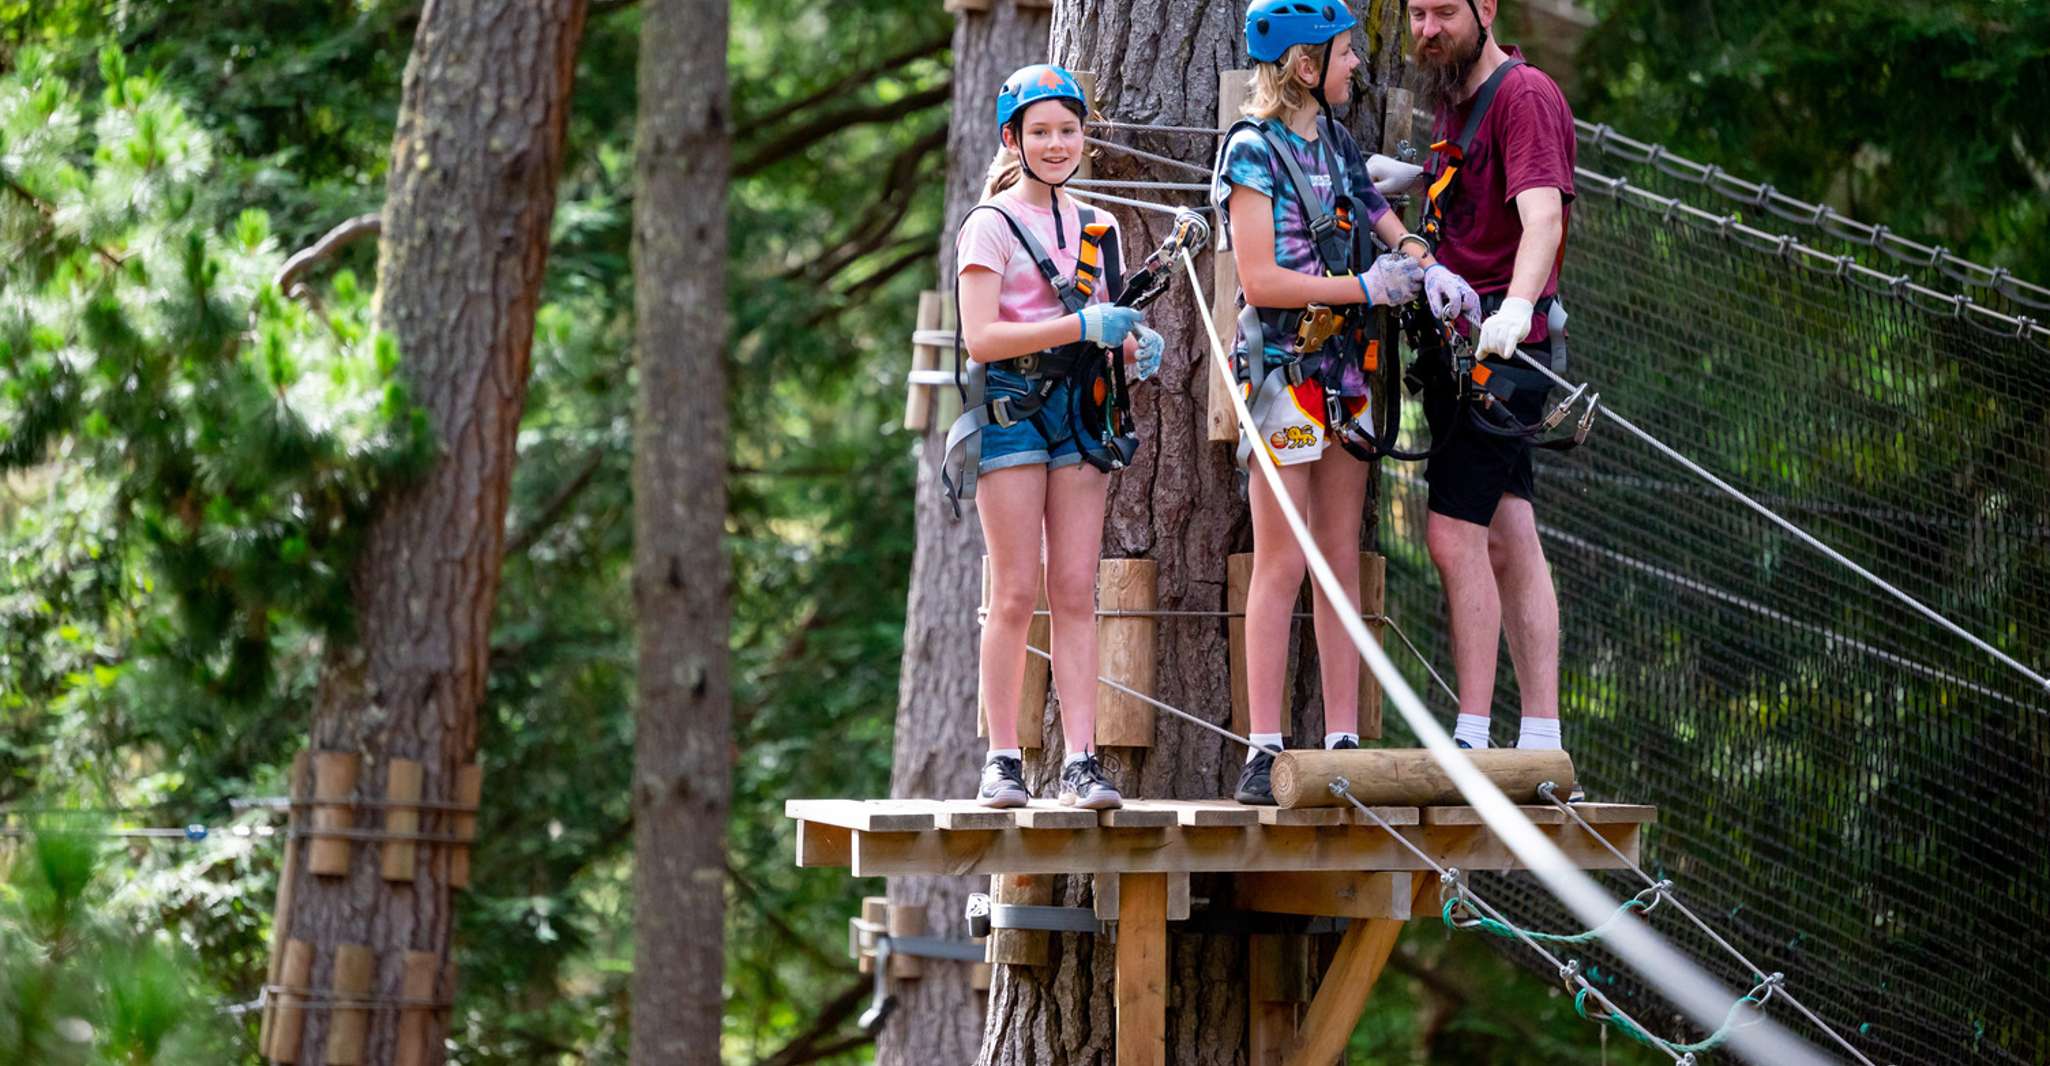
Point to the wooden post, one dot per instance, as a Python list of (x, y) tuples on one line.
[(401, 785), (917, 397), (1087, 78), (961, 6), (1278, 987), (288, 876), (354, 965), (875, 910), (1372, 591), (1410, 777), (1129, 653), (1223, 425), (469, 792), (1342, 994), (1020, 947), (296, 972), (906, 920), (1238, 583), (334, 778), (1038, 672), (414, 1027), (1142, 970)]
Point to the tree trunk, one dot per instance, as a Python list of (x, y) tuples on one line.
[(682, 760), (937, 752), (1179, 505), (465, 239)]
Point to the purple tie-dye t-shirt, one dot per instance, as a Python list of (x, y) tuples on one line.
[(1250, 162)]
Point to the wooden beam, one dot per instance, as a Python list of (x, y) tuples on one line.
[(1142, 971), (1185, 849), (1342, 994), (1129, 652), (1410, 775), (1021, 947), (1278, 985), (819, 844), (1327, 893)]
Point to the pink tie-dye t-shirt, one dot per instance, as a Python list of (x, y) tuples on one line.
[(986, 241)]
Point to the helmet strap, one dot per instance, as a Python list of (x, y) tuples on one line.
[(1474, 6)]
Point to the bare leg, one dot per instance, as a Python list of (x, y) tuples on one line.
[(1270, 599), (1530, 607), (1338, 491), (1075, 498), (1010, 503), (1460, 549)]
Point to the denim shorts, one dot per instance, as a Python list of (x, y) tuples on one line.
[(1024, 443)]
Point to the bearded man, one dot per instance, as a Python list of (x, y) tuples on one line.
[(1499, 222)]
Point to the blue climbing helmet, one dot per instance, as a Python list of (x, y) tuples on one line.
[(1030, 85), (1275, 26)]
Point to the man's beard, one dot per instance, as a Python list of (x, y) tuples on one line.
[(1440, 79)]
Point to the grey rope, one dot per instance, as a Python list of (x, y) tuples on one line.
[(1665, 890), (1609, 412), (1152, 157), (1120, 183), (1149, 127), (1143, 205), (1421, 658)]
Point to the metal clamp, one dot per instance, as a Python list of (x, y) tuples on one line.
[(985, 915)]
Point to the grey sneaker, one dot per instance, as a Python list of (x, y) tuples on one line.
[(1256, 781), (1003, 783), (1085, 785)]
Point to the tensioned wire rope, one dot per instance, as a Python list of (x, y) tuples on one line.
[(1785, 246)]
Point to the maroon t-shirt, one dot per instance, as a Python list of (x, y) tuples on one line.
[(1525, 142)]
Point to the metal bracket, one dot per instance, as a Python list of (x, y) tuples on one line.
[(983, 916), (923, 947)]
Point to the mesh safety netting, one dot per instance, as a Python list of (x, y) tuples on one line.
[(1846, 792)]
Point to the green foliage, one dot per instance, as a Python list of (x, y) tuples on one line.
[(78, 988), (1922, 116)]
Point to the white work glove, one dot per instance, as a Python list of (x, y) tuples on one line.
[(1392, 176), (1450, 295), (1504, 330), (1108, 324), (1147, 361), (1393, 279)]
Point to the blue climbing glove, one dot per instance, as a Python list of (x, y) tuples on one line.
[(1108, 324), (1393, 279), (1450, 295), (1150, 347)]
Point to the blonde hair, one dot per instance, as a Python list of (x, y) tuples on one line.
[(1274, 91)]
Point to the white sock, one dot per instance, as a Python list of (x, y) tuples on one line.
[(1472, 728), (1331, 739), (995, 753), (1262, 741), (1539, 734), (1073, 758)]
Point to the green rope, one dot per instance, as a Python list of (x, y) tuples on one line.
[(1627, 1028), (1503, 929)]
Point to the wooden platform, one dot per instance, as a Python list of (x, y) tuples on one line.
[(892, 837), (1318, 861)]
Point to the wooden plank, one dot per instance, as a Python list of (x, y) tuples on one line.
[(414, 1022), (1342, 994), (819, 844), (1142, 971), (334, 777), (1373, 582), (1327, 893), (906, 920), (288, 877), (1185, 849), (1177, 897), (348, 1027), (1305, 815), (867, 816), (1472, 815), (296, 971), (1617, 813), (875, 910), (1390, 815), (918, 398), (1222, 424), (401, 785), (966, 816), (1127, 647), (961, 6), (1278, 985), (1052, 814), (469, 792), (1215, 813), (1410, 775), (1142, 814), (1103, 896)]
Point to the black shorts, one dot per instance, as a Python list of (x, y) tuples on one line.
[(1469, 476)]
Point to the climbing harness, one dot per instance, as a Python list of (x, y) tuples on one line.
[(1101, 415)]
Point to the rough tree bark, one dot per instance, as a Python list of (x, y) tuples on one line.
[(682, 773), (1178, 504), (937, 752), (465, 238)]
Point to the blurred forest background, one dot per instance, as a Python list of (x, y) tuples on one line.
[(166, 676)]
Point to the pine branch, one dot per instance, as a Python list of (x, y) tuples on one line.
[(557, 506), (852, 81), (805, 134), (49, 213), (803, 1048), (869, 233), (323, 249)]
